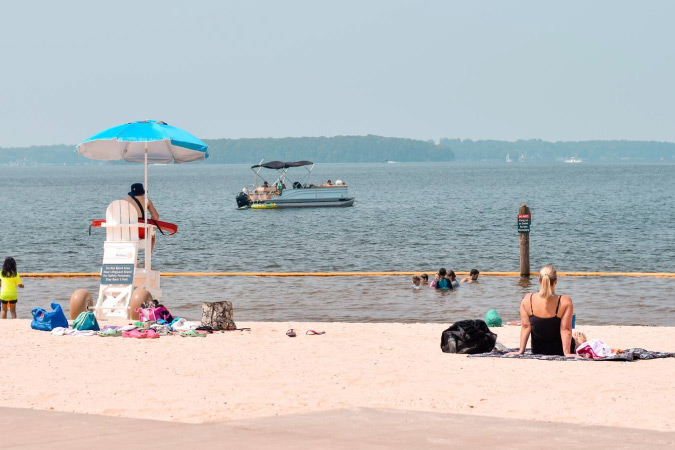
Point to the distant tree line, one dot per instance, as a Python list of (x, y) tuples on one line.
[(318, 149), (538, 150), (327, 149), (378, 149)]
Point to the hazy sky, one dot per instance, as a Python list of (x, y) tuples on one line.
[(419, 69)]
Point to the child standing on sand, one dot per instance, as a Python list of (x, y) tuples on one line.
[(9, 281)]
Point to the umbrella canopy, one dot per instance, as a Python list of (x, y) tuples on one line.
[(283, 165), (164, 144)]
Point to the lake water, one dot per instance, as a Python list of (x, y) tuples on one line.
[(413, 216)]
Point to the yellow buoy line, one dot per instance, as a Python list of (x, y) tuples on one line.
[(349, 274)]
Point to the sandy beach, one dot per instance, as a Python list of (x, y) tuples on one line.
[(262, 372)]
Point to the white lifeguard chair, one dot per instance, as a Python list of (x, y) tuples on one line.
[(120, 271)]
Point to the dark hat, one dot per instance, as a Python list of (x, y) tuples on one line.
[(137, 189)]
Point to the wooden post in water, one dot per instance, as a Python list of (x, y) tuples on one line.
[(524, 220)]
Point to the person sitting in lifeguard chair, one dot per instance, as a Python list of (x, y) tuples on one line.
[(137, 198)]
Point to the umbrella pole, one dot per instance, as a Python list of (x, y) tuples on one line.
[(148, 256)]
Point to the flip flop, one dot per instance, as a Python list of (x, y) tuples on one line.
[(109, 332), (192, 333), (291, 333), (312, 332), (135, 334)]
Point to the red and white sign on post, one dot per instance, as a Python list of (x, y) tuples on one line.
[(524, 221)]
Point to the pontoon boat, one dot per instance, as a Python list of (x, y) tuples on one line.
[(291, 192)]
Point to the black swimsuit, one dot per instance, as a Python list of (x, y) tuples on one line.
[(546, 339)]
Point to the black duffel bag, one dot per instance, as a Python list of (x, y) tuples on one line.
[(468, 337)]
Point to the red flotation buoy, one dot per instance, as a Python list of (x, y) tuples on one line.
[(164, 227)]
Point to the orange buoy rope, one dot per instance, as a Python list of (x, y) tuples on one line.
[(349, 274)]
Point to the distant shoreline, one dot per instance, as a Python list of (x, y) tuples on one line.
[(379, 149), (489, 162)]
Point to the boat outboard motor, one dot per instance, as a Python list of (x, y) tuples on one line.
[(243, 200)]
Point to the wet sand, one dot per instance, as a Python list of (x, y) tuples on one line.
[(330, 430)]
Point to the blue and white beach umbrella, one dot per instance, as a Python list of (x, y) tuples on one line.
[(148, 142)]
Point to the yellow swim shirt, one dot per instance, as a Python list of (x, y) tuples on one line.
[(8, 289)]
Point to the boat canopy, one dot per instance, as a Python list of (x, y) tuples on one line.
[(276, 165)]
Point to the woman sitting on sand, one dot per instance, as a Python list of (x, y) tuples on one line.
[(548, 318)]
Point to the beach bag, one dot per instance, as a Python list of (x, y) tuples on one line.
[(47, 321), (468, 337), (218, 315), (492, 318), (162, 313), (147, 314), (154, 313), (86, 320)]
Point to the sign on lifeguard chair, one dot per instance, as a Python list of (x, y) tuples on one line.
[(120, 273)]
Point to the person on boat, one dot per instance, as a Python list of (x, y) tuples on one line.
[(547, 317), (328, 183), (263, 187), (260, 193), (472, 278), (137, 198)]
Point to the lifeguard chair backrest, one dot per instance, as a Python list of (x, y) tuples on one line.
[(121, 212)]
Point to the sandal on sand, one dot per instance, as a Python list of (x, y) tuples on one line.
[(312, 332), (110, 332), (291, 333), (135, 334), (192, 333)]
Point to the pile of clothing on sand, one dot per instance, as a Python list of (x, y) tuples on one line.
[(142, 330)]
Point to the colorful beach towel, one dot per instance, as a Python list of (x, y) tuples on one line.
[(631, 354)]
